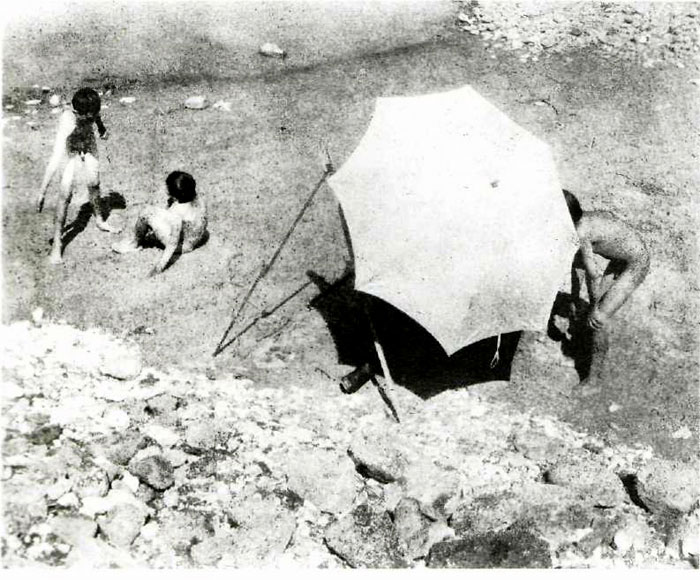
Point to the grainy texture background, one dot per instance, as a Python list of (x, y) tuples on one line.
[(612, 88)]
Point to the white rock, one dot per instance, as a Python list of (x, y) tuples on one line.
[(130, 481), (171, 498), (93, 505), (55, 100), (222, 106), (68, 500), (11, 391), (38, 316), (117, 419), (123, 364), (163, 436), (32, 102), (682, 433), (197, 102), (462, 17), (271, 49), (127, 100), (9, 107), (614, 408), (150, 531)]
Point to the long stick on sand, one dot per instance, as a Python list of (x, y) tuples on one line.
[(266, 267)]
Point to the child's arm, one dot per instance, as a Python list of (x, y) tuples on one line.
[(171, 245), (101, 129), (593, 277)]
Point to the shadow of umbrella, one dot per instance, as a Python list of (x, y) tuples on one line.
[(417, 360)]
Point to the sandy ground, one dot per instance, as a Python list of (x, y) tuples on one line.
[(625, 138)]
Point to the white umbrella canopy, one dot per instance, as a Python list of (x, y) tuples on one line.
[(456, 217)]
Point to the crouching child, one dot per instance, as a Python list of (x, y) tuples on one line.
[(603, 234), (180, 227)]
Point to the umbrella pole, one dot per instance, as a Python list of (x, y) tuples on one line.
[(384, 365)]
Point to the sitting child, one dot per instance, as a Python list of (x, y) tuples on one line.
[(75, 146), (180, 228), (602, 234)]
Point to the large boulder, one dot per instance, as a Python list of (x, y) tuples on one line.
[(366, 538), (324, 478), (511, 548), (668, 488), (584, 474)]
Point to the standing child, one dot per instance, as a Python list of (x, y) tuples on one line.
[(75, 145), (179, 228), (601, 233)]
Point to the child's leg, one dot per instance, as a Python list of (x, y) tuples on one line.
[(64, 196), (623, 279), (92, 179)]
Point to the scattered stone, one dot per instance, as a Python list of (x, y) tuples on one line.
[(122, 524), (164, 437), (539, 447), (633, 535), (366, 538), (272, 50), (75, 530), (323, 478), (54, 100), (38, 316), (92, 483), (376, 459), (69, 500), (116, 419), (417, 532), (512, 548), (222, 106), (587, 476), (45, 435), (155, 471), (124, 364), (614, 408), (668, 488), (32, 102), (127, 100), (197, 102), (682, 433)]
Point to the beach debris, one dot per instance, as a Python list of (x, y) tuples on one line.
[(197, 102), (222, 106), (271, 49), (682, 433)]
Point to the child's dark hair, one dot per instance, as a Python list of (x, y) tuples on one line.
[(574, 206), (181, 186), (86, 101)]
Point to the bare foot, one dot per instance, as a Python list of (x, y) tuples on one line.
[(105, 227), (125, 246)]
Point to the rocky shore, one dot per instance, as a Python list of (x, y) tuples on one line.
[(107, 463), (650, 33)]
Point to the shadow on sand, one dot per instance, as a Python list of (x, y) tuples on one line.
[(113, 200), (415, 359)]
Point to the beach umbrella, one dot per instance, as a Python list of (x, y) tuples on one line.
[(456, 217)]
